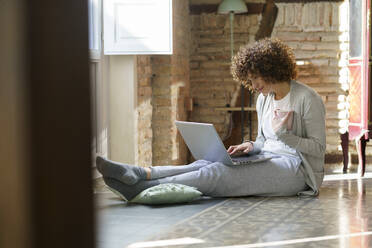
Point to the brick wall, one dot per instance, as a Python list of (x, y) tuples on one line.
[(316, 31), (200, 67), (320, 42), (211, 82)]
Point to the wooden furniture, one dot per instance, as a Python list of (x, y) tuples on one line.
[(236, 109), (360, 82)]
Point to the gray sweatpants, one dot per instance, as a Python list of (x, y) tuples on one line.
[(279, 176)]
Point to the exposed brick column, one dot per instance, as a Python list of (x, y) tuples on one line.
[(170, 87), (144, 135), (163, 84)]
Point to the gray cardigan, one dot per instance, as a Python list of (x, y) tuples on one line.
[(307, 135)]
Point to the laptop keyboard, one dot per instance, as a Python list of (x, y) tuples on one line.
[(251, 159)]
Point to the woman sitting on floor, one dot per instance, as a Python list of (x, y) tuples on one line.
[(291, 125)]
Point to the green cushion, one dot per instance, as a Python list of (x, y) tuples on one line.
[(167, 193)]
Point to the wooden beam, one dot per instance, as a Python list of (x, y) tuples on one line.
[(235, 109), (253, 8), (305, 1), (269, 14)]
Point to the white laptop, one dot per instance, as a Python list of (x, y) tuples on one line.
[(204, 143)]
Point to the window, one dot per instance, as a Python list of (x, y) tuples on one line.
[(98, 85), (137, 26), (94, 8)]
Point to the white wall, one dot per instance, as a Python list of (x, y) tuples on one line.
[(122, 102)]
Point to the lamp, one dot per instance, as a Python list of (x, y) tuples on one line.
[(230, 7), (237, 6)]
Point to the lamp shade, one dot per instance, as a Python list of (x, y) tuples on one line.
[(236, 6)]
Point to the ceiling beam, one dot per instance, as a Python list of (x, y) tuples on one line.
[(253, 8)]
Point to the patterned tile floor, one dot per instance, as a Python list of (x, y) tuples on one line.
[(120, 224), (341, 216)]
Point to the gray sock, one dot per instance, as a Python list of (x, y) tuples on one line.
[(128, 174), (128, 192)]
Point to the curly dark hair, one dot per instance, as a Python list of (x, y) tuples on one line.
[(268, 58)]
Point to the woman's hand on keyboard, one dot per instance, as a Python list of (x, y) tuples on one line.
[(242, 148)]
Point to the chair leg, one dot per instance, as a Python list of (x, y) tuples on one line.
[(361, 148), (345, 149)]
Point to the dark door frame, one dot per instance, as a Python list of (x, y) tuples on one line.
[(45, 108)]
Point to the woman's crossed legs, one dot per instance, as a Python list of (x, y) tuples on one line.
[(278, 176)]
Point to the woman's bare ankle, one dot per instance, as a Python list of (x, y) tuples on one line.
[(148, 173)]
